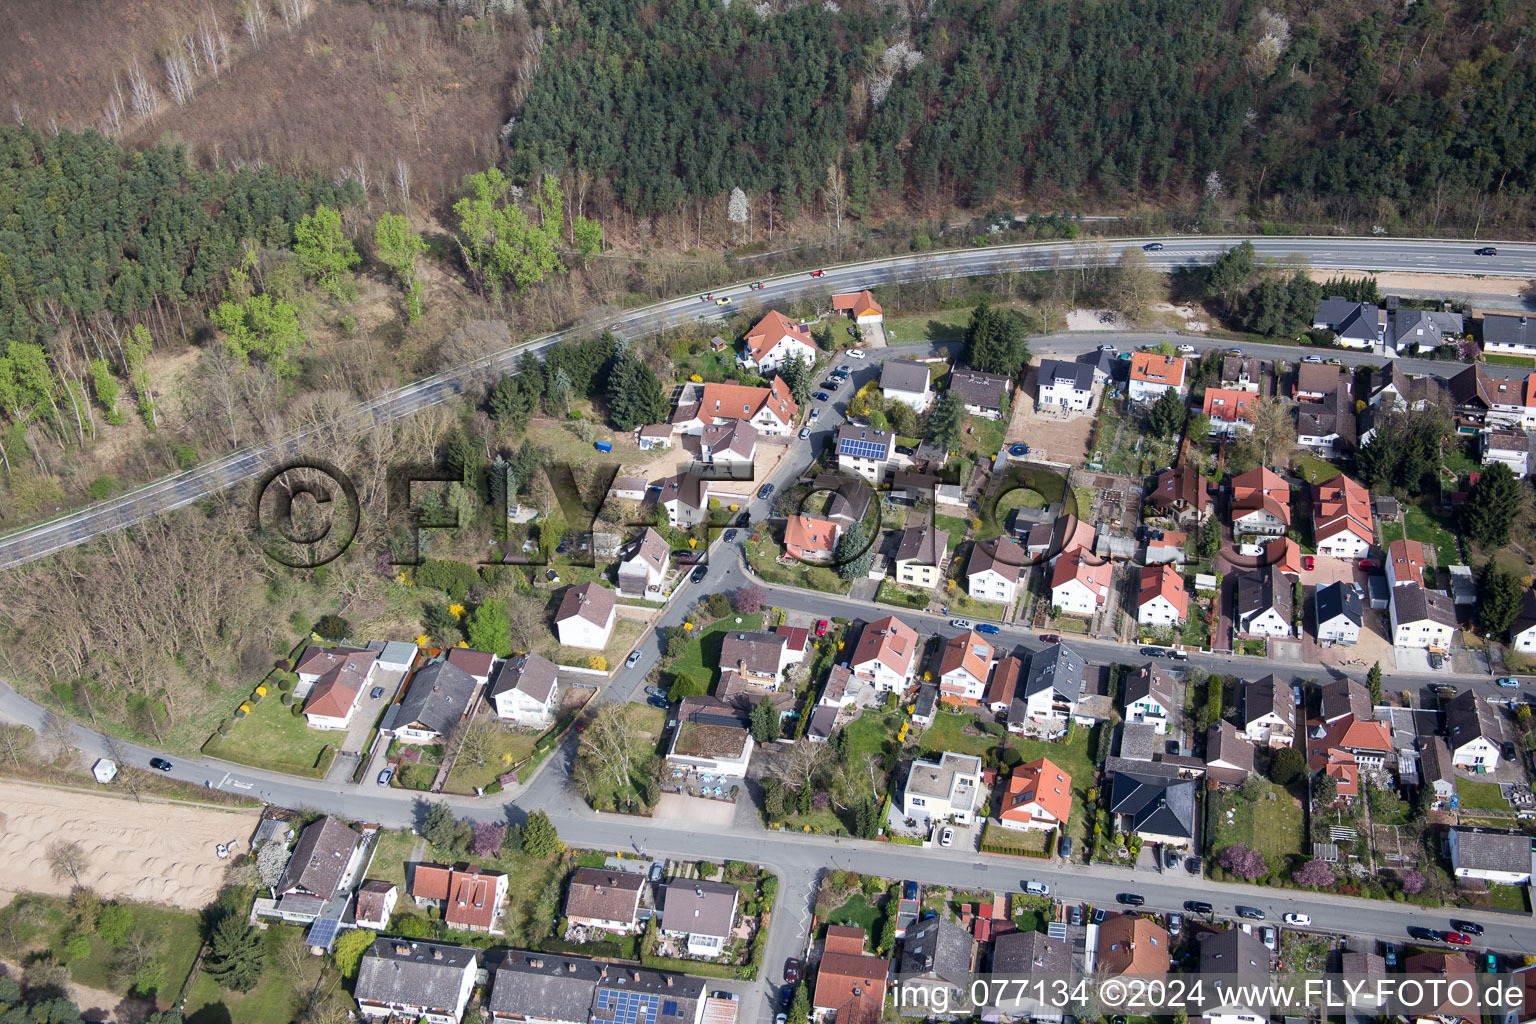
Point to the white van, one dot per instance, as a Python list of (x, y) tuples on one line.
[(1037, 889)]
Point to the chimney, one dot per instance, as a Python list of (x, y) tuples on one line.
[(437, 954), (570, 968), (669, 981)]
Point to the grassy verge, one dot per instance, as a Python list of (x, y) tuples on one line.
[(960, 604), (902, 596), (274, 738), (1273, 827), (1508, 360), (1480, 796), (508, 748)]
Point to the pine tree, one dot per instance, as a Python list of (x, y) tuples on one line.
[(490, 629), (797, 376), (1168, 415), (235, 955), (440, 828), (1498, 599), (1492, 506), (540, 839), (944, 422), (764, 722), (635, 395), (800, 1009), (1373, 683), (855, 553)]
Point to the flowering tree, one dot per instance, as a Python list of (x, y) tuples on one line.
[(749, 599), (1244, 862), (1314, 874), (485, 839), (1413, 882)]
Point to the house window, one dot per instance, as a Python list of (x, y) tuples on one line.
[(918, 801)]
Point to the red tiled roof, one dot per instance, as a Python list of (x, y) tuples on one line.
[(888, 640), (843, 938), (1039, 782), (857, 303), (968, 651), (431, 881), (1076, 564), (1164, 581), (472, 899), (810, 535), (854, 986), (772, 329), (1228, 406), (740, 402), (1157, 369)]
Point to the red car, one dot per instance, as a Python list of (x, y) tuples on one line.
[(817, 273), (1458, 938), (1366, 563), (821, 627), (1050, 638), (1307, 562)]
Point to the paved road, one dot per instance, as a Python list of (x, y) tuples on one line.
[(1361, 254)]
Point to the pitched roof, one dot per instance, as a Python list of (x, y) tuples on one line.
[(319, 858), (543, 986), (431, 881), (476, 663), (845, 938), (1078, 564), (1228, 406), (902, 375), (629, 988), (811, 534), (529, 673), (967, 651), (1468, 717), (439, 695), (1450, 1006), (1166, 582), (1261, 489), (412, 973), (1150, 681), (889, 641), (1182, 485), (1341, 497), (1435, 761), (1039, 782), (740, 402), (1334, 416), (603, 895), (1412, 603), (1492, 850), (857, 303), (1227, 747), (938, 948), (999, 554), (688, 489), (586, 601), (1154, 368), (372, 898), (650, 549), (1472, 387), (1406, 557), (1284, 555), (343, 671), (759, 652), (973, 387), (1233, 951), (772, 329), (865, 442), (1058, 371), (698, 906), (852, 984), (733, 437), (1321, 378), (1265, 696), (1019, 954), (1057, 668), (1346, 697), (1526, 618), (317, 661), (1132, 944), (1156, 803), (1259, 590), (924, 545), (1339, 598), (1005, 680), (472, 901), (848, 498)]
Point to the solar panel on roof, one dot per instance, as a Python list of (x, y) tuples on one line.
[(323, 932), (861, 449)]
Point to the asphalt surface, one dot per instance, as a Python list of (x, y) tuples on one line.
[(1356, 254)]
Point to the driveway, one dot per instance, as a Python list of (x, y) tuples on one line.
[(369, 708), (679, 807)]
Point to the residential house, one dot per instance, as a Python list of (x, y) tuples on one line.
[(415, 980), (1152, 375), (864, 451), (936, 960), (585, 617), (1392, 388), (376, 901), (728, 447), (685, 497), (712, 738), (761, 656), (1522, 633), (1237, 955), (1422, 618), (913, 487), (1283, 555), (1269, 713), (1405, 563), (1316, 381), (335, 678), (1149, 697), (886, 654), (1046, 541), (908, 383), (1435, 768), (1342, 524), (776, 339), (630, 488), (1471, 397), (964, 667), (1328, 426), (1166, 547), (1455, 1001), (543, 988), (1355, 324), (1230, 412), (1509, 447), (1491, 855), (1264, 603), (325, 863), (847, 499), (1473, 733), (1245, 373), (525, 691), (1368, 741), (1079, 582), (1162, 600), (1181, 491), (861, 306), (1065, 386), (1228, 754), (643, 568), (994, 570), (628, 994), (1132, 944), (946, 789), (1512, 333), (981, 394), (652, 436), (474, 902), (1103, 362), (440, 695), (920, 556), (1053, 685), (1420, 331), (1370, 968), (605, 900), (699, 913), (810, 538), (1028, 957), (1039, 797), (1261, 503), (1149, 801), (1508, 397), (1004, 687), (770, 409), (850, 985)]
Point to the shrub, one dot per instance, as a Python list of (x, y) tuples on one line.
[(241, 712), (287, 700), (224, 727), (298, 709)]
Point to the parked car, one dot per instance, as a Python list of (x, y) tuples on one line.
[(1298, 920), (1037, 888), (1098, 915), (1470, 927), (1130, 899), (1491, 962), (1268, 937), (1419, 932), (909, 890), (1198, 907), (1389, 953), (1458, 938), (855, 353), (1175, 924), (632, 660), (1366, 563), (1251, 913), (385, 776), (946, 837), (791, 971), (1152, 247), (656, 691), (730, 535), (1308, 562), (1487, 250), (765, 490), (1234, 351), (821, 627), (805, 432), (1312, 359), (1077, 916), (987, 629), (376, 693), (1051, 638), (1151, 652), (960, 623), (845, 369), (699, 573), (821, 396), (659, 702), (160, 764), (1064, 848), (1509, 683), (830, 386), (1171, 858)]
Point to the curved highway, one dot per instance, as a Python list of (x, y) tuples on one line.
[(1354, 254)]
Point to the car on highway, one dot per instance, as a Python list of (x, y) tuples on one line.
[(821, 396), (656, 691), (1509, 682), (699, 573), (1470, 927), (1251, 913), (1051, 638), (1457, 938), (632, 660), (1308, 562), (765, 490), (1487, 250), (1152, 247), (1151, 652), (1130, 899), (385, 776), (1268, 937), (987, 629), (791, 971), (805, 432), (659, 702), (1198, 907), (1312, 359), (818, 273), (376, 693), (947, 837), (960, 623), (1034, 888), (723, 302), (160, 764), (855, 353), (1298, 920)]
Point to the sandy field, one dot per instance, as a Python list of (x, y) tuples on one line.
[(154, 852), (1491, 293)]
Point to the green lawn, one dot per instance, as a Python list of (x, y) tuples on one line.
[(1273, 827), (763, 553), (1071, 755), (509, 748), (1391, 532), (650, 721), (946, 325), (858, 912), (1508, 360), (1313, 469), (1507, 897), (1480, 796), (1432, 534), (869, 734), (902, 596), (701, 659), (1085, 496), (949, 732), (279, 997), (955, 525), (983, 437), (390, 855), (272, 737), (960, 604)]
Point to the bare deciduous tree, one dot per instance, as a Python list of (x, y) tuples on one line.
[(15, 743), (806, 761), (473, 740), (608, 748), (67, 859), (58, 735)]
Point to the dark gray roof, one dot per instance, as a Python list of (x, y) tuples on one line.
[(1346, 697), (973, 387), (1019, 954), (1468, 717), (1233, 952), (1100, 361), (437, 698), (1507, 329), (1261, 589), (1338, 598), (864, 442), (1527, 616), (1348, 319), (1224, 743), (1156, 804), (531, 673), (1056, 371), (413, 973), (320, 858), (1415, 604), (1435, 761), (937, 948), (903, 375), (1150, 681), (1261, 696), (544, 987), (677, 992), (848, 498), (1058, 668), (756, 651), (924, 544), (698, 907), (1483, 849), (1436, 325), (1335, 414)]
